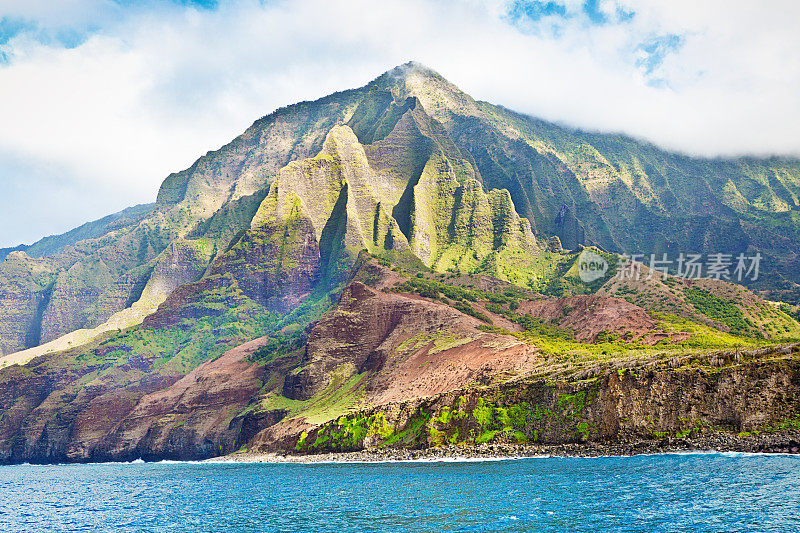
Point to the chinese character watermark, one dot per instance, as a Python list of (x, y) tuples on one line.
[(717, 266)]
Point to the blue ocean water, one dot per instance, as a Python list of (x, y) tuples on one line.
[(692, 492)]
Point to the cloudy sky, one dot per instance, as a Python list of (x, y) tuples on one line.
[(101, 99)]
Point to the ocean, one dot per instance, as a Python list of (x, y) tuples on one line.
[(671, 492)]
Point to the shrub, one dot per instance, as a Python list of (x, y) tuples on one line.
[(539, 327)]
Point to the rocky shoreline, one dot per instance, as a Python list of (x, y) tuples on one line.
[(785, 443)]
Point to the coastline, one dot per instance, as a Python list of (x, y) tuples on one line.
[(788, 443)]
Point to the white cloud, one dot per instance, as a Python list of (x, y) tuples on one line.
[(156, 87)]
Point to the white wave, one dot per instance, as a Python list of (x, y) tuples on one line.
[(421, 460)]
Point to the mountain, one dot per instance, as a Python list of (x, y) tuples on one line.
[(378, 248)]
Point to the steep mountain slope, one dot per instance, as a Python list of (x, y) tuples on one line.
[(438, 163), (376, 247), (197, 215), (624, 195)]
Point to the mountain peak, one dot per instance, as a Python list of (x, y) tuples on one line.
[(410, 68), (412, 73), (440, 98)]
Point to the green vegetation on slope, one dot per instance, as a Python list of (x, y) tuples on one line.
[(433, 289), (724, 311)]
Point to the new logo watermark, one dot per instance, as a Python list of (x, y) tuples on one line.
[(591, 266)]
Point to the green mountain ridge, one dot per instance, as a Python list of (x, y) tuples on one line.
[(378, 245), (585, 188)]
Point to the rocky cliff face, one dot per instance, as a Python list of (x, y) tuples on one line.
[(130, 412), (25, 288), (634, 404)]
